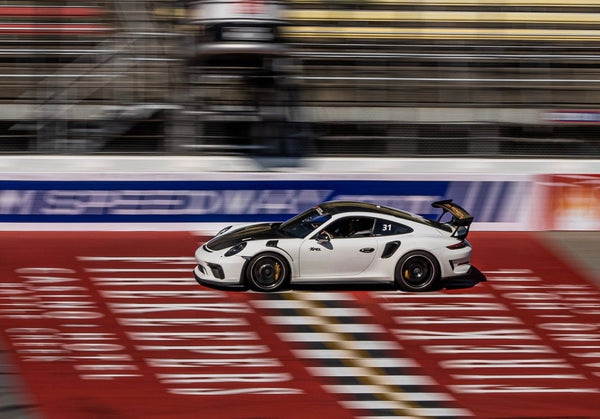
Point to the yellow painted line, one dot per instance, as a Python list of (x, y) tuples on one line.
[(439, 33), (437, 16), (372, 375)]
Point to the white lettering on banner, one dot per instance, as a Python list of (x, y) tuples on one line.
[(158, 202), (237, 201), (75, 202), (17, 202), (281, 202)]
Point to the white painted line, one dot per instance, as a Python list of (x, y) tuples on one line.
[(375, 389), (137, 270)]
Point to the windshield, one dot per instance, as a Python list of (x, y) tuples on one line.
[(305, 223)]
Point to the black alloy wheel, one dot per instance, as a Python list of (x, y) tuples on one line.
[(267, 272), (417, 271)]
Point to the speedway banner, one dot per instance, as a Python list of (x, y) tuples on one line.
[(494, 203)]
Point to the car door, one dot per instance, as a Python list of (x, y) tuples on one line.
[(345, 256)]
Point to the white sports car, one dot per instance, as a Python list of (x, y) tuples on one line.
[(341, 241)]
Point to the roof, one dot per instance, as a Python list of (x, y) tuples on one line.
[(337, 207)]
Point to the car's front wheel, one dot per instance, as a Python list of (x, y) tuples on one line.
[(267, 272), (417, 271)]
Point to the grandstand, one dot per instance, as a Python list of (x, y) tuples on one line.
[(344, 77)]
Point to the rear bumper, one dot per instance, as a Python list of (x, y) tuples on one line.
[(461, 266), (457, 262)]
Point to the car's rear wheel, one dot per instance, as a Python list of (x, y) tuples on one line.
[(267, 272), (417, 271)]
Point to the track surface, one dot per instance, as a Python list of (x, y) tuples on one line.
[(114, 325)]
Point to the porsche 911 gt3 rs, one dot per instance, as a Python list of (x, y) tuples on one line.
[(341, 241)]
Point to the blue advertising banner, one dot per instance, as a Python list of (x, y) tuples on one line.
[(211, 201)]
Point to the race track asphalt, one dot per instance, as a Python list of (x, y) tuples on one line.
[(579, 249)]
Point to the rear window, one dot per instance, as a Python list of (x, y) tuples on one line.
[(390, 228)]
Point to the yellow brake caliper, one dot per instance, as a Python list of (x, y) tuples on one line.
[(277, 271)]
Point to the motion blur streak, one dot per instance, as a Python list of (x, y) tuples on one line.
[(105, 307)]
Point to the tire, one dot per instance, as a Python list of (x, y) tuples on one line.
[(267, 272), (417, 271)]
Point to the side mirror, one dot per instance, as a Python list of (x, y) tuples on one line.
[(323, 237)]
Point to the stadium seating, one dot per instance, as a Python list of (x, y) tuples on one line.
[(379, 77)]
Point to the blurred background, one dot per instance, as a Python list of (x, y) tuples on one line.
[(301, 77)]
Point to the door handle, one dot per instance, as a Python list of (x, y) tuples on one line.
[(367, 250)]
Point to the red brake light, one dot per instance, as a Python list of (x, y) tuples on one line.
[(459, 245)]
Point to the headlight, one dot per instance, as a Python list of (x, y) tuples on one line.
[(236, 249)]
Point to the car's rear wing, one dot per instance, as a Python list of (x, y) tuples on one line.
[(461, 219)]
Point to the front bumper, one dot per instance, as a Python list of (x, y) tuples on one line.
[(203, 279), (216, 269)]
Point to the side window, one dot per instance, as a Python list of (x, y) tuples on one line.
[(351, 227), (389, 228)]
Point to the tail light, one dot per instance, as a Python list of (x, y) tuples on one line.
[(459, 245)]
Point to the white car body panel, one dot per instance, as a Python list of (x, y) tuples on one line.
[(344, 259), (338, 257)]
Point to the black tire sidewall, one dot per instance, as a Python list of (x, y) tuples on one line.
[(257, 286), (406, 286)]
